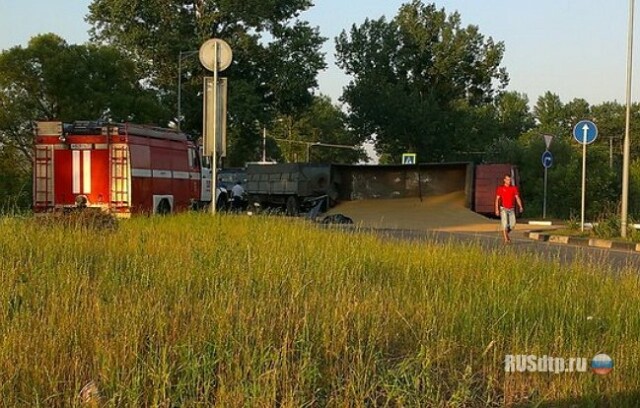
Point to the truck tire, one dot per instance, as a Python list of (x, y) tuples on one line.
[(292, 206)]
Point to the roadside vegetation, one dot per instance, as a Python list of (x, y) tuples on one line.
[(604, 226), (191, 310)]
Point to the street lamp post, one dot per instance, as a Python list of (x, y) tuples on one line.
[(625, 154), (264, 144), (181, 55)]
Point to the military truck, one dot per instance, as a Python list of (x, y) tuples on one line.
[(294, 187)]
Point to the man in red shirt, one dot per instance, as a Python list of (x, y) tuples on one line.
[(507, 196)]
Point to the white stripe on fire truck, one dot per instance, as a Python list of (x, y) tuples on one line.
[(86, 171), (162, 174), (75, 169), (140, 173), (180, 175)]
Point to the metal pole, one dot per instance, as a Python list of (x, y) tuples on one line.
[(610, 152), (179, 119), (625, 159), (584, 178), (544, 200), (214, 162), (264, 144)]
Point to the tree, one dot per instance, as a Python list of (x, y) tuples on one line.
[(514, 117), (50, 79), (421, 82), (15, 180), (276, 57), (325, 124), (549, 111)]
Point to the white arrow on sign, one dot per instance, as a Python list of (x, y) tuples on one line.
[(585, 130)]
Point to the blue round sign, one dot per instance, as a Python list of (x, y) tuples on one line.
[(585, 132), (547, 159)]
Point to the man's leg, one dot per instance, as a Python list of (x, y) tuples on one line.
[(504, 221), (512, 220)]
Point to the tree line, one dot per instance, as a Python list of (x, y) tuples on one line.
[(421, 82)]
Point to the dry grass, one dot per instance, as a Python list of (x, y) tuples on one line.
[(192, 310)]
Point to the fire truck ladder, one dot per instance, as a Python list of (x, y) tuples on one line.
[(43, 177), (119, 176)]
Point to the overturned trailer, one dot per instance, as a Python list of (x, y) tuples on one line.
[(297, 185), (477, 182)]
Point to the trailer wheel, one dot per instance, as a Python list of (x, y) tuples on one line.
[(292, 206), (164, 207)]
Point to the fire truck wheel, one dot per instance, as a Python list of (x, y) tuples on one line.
[(292, 206), (164, 207)]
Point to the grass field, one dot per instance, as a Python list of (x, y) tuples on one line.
[(191, 310)]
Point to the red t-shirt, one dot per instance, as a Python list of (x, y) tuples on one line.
[(507, 196)]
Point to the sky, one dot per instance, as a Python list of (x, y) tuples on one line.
[(575, 49)]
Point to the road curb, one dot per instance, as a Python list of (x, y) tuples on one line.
[(591, 242)]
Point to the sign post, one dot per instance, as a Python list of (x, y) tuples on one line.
[(547, 161), (215, 55), (585, 132)]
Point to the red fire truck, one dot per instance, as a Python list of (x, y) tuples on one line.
[(120, 168)]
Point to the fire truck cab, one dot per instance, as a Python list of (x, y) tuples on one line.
[(120, 168)]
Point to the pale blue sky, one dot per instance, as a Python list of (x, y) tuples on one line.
[(576, 49)]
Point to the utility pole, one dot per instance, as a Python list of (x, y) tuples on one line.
[(264, 144), (625, 154)]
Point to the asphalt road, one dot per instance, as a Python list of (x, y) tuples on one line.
[(607, 259)]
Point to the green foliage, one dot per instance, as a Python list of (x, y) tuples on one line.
[(607, 224), (422, 83), (291, 138), (15, 181), (276, 57), (325, 123), (603, 183), (549, 111), (50, 79)]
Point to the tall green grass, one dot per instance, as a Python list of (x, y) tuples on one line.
[(194, 310)]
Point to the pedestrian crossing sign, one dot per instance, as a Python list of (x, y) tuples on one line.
[(408, 158)]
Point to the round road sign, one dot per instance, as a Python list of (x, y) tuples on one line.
[(547, 159), (208, 54), (585, 132)]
